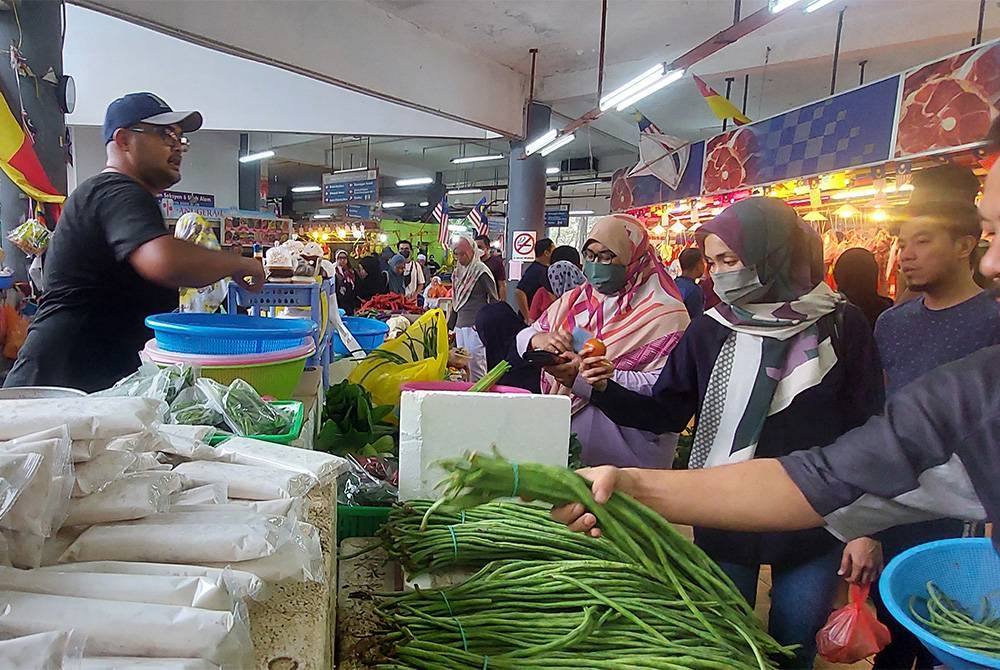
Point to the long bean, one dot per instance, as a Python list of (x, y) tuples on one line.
[(954, 624)]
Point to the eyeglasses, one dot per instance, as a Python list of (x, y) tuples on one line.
[(605, 257), (167, 135)]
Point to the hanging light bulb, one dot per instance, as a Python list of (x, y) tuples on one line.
[(879, 215), (846, 211), (659, 231), (814, 216)]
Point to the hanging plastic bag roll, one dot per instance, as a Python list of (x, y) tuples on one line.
[(177, 543), (42, 651), (250, 482), (16, 471), (239, 583), (86, 417), (158, 589), (247, 451), (133, 497), (116, 628)]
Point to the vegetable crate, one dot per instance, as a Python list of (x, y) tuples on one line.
[(275, 295), (360, 521), (296, 408), (967, 570)]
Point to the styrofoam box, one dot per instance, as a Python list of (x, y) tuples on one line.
[(446, 424)]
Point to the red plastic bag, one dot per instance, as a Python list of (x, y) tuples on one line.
[(852, 633)]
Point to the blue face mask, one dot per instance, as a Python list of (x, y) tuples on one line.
[(607, 279), (738, 286)]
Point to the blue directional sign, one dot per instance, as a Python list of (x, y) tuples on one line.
[(557, 216), (361, 187)]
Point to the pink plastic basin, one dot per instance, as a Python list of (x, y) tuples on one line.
[(455, 386), (157, 355)]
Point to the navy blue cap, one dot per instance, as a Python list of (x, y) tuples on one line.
[(135, 108)]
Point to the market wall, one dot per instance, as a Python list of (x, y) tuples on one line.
[(209, 166)]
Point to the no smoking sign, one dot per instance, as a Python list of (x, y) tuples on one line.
[(523, 245)]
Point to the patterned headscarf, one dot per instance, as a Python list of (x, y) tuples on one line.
[(774, 352), (640, 324), (563, 276)]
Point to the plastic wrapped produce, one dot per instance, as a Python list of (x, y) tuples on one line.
[(151, 381), (159, 589), (249, 482), (192, 407), (96, 474), (53, 650), (88, 418), (132, 497), (220, 542), (209, 494), (300, 559), (118, 628), (31, 237), (16, 471), (246, 451), (239, 583), (42, 505), (136, 663)]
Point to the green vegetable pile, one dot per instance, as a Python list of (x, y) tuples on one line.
[(351, 424), (640, 596), (954, 624), (248, 414)]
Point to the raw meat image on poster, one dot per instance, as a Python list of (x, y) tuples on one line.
[(949, 103)]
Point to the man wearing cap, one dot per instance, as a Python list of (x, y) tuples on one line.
[(112, 261)]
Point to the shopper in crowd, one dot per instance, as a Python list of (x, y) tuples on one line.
[(950, 318), (372, 280), (563, 276), (394, 278), (494, 261), (413, 272), (384, 257), (934, 453), (474, 288), (433, 267), (565, 252), (498, 325), (856, 275), (346, 281), (534, 277), (693, 266), (422, 259), (631, 304), (112, 260), (781, 364)]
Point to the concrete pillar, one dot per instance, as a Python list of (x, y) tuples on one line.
[(526, 192), (249, 178), (41, 45)]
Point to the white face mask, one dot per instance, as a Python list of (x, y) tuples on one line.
[(738, 286)]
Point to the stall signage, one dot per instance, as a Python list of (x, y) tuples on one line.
[(361, 187), (557, 216), (359, 212), (170, 201), (523, 245)]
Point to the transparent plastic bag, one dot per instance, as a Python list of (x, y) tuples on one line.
[(44, 500), (369, 481), (242, 408), (300, 559), (246, 451), (240, 584), (208, 494), (42, 651), (852, 633), (151, 381), (31, 237), (87, 417), (132, 497), (249, 482), (192, 407), (16, 471)]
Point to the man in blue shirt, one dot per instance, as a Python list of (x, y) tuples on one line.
[(952, 318), (692, 268)]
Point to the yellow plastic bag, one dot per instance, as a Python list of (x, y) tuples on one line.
[(420, 354), (193, 228)]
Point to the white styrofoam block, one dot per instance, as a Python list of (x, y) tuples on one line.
[(445, 424)]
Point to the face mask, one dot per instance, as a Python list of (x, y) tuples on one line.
[(738, 286), (607, 279), (405, 253)]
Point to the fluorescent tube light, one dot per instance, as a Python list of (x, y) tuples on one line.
[(424, 203), (306, 189), (581, 212), (259, 156), (643, 80), (817, 5), (477, 159), (781, 5), (559, 143), (392, 205), (464, 191), (415, 181), (668, 79), (321, 216), (540, 142), (357, 169), (551, 170)]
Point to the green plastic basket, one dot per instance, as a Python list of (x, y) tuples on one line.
[(360, 521), (277, 380), (298, 417)]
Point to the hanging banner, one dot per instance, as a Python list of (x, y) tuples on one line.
[(949, 103), (846, 130), (249, 228), (644, 185)]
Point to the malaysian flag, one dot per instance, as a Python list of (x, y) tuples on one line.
[(440, 214), (477, 217)]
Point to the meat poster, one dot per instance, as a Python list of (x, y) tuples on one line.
[(848, 130), (647, 189), (949, 103)]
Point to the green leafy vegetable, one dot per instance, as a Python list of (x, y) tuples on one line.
[(351, 422)]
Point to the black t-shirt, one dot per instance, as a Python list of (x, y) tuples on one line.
[(535, 276), (90, 323)]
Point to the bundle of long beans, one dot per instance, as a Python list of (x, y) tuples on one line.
[(953, 623), (640, 596)]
